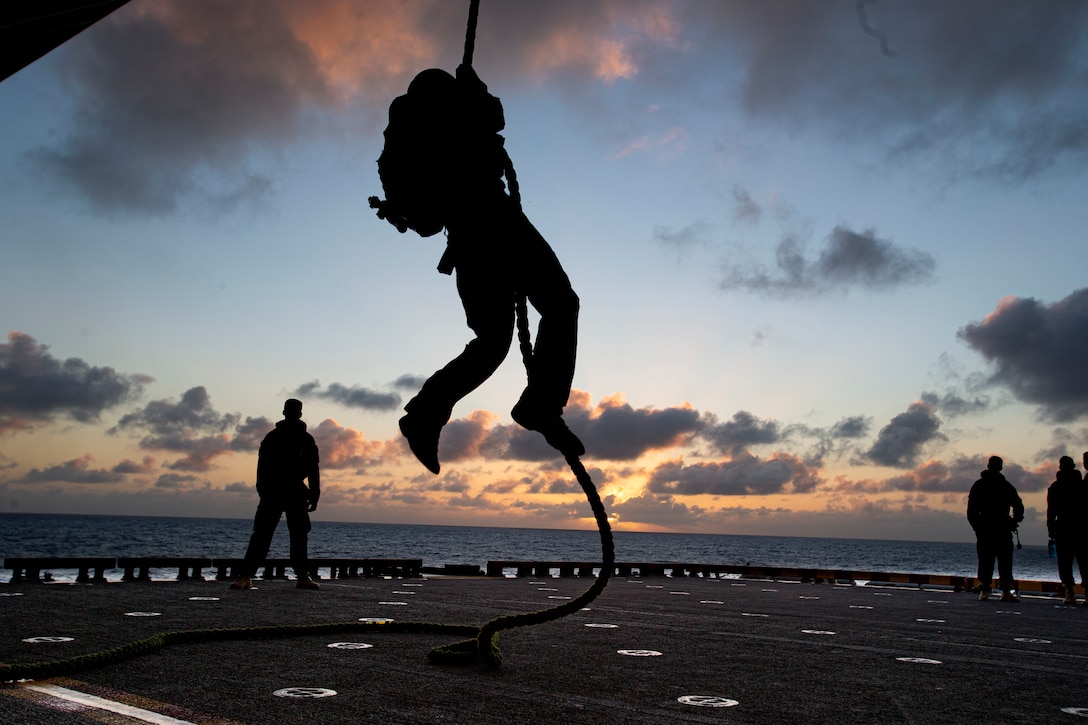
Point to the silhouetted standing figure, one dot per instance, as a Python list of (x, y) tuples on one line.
[(1067, 523), (988, 511), (287, 458), (443, 167)]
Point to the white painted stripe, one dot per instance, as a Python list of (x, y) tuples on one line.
[(101, 703)]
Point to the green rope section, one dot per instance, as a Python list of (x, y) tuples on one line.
[(482, 647)]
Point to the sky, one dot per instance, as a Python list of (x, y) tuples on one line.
[(827, 256)]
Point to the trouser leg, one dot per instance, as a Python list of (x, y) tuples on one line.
[(488, 302), (548, 289), (985, 563), (298, 524), (1066, 554), (1080, 552), (1004, 564), (264, 526)]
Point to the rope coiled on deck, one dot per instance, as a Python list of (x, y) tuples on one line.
[(482, 647)]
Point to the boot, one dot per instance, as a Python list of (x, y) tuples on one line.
[(242, 582), (305, 582)]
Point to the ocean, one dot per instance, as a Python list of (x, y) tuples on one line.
[(25, 535)]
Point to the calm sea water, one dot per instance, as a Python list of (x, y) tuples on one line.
[(116, 536)]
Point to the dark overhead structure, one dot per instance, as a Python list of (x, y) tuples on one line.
[(31, 28)]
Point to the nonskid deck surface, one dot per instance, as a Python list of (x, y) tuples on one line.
[(647, 650)]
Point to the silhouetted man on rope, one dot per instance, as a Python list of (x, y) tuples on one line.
[(287, 458), (443, 167)]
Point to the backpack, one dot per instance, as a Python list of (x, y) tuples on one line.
[(441, 140)]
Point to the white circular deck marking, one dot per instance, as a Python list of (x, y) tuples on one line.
[(860, 606), (203, 599), (547, 589), (919, 660), (557, 596), (881, 594), (143, 614), (818, 631), (639, 652), (936, 601), (654, 586), (45, 640), (412, 585), (804, 597), (768, 590), (350, 645), (706, 701), (11, 594), (1078, 711), (1031, 640), (736, 584), (711, 601), (602, 625), (931, 621), (410, 594), (1008, 611), (395, 604), (376, 620), (750, 614), (680, 594), (304, 692)]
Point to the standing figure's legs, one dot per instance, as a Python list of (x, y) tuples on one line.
[(985, 566), (264, 526), (298, 524), (1004, 550), (1080, 552), (1066, 554)]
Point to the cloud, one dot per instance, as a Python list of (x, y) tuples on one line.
[(177, 101), (954, 405), (36, 387), (77, 470), (849, 260), (409, 382), (745, 208), (900, 442), (743, 475), (176, 481), (692, 235), (194, 412), (659, 510), (742, 431), (172, 98), (999, 95), (952, 477), (1038, 352), (616, 431), (855, 426), (193, 427), (340, 447), (353, 397)]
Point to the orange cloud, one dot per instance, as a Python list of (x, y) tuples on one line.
[(609, 51), (341, 447)]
